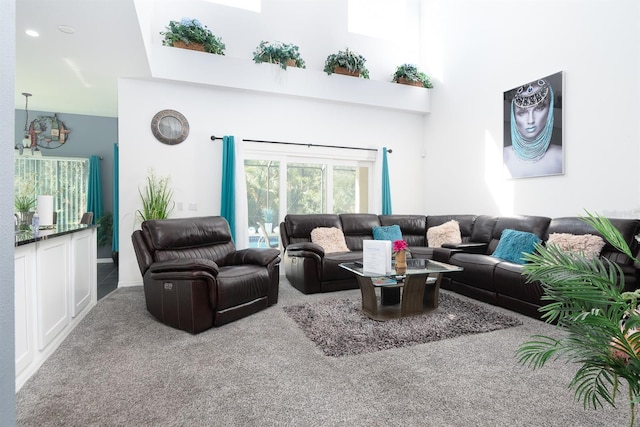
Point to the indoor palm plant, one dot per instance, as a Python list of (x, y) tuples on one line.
[(191, 34), (157, 198), (346, 62), (409, 74), (601, 323), (285, 54)]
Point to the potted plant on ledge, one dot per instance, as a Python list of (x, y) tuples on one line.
[(408, 74), (284, 54), (346, 62), (191, 34)]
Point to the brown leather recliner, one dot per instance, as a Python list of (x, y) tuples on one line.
[(194, 278)]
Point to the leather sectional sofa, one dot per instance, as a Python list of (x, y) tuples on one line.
[(484, 277)]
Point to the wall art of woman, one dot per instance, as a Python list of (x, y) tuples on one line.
[(532, 145)]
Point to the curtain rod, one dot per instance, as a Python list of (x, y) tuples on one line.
[(213, 138)]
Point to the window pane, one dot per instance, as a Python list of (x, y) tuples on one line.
[(263, 201), (306, 188), (344, 189)]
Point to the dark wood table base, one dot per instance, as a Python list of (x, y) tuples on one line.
[(418, 296)]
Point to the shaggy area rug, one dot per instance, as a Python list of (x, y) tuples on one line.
[(339, 327)]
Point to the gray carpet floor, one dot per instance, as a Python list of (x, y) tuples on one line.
[(120, 367)]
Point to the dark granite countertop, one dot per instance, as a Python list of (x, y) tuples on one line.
[(29, 236)]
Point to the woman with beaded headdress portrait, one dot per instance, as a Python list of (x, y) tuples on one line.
[(534, 150)]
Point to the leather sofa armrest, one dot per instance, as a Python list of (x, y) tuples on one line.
[(300, 249), (189, 265), (470, 248), (444, 254), (256, 256)]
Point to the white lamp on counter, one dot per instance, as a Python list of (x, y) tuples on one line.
[(45, 211)]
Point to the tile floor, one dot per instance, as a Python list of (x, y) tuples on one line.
[(107, 278)]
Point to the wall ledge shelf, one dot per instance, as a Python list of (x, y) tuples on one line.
[(187, 66)]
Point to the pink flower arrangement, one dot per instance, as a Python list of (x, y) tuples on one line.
[(399, 245)]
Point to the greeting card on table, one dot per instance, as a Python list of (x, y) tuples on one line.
[(376, 256)]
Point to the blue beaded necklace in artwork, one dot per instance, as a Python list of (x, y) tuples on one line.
[(532, 150)]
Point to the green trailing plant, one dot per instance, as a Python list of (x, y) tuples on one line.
[(278, 53), (411, 73), (601, 321), (157, 198), (348, 59), (192, 31)]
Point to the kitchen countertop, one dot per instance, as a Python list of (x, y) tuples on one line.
[(29, 236)]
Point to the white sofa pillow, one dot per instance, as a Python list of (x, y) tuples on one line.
[(449, 232), (330, 238)]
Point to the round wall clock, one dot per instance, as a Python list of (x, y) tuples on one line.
[(170, 127)]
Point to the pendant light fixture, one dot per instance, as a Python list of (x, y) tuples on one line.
[(26, 137)]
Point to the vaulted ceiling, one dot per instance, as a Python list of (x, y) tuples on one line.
[(76, 73)]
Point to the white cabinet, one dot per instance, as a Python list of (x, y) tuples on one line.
[(24, 281), (52, 287), (55, 287), (83, 270)]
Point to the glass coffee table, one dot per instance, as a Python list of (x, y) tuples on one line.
[(415, 292)]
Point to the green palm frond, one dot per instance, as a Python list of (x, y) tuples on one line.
[(604, 226), (585, 299)]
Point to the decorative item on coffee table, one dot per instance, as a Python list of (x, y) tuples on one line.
[(284, 54), (346, 62), (400, 253), (408, 74), (191, 34)]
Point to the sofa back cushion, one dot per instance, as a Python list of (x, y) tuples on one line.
[(197, 237), (533, 224), (358, 227), (412, 227), (482, 231), (297, 227)]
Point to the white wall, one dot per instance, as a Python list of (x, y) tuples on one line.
[(476, 50), (7, 349), (195, 164)]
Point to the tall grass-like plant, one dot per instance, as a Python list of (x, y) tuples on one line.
[(157, 198), (601, 321), (24, 203)]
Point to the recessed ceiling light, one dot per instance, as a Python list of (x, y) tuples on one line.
[(66, 29), (32, 33)]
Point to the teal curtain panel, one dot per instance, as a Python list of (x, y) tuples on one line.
[(228, 202)]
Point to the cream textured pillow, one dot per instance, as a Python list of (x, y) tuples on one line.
[(449, 232), (330, 238), (588, 244)]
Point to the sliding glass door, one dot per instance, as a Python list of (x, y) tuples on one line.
[(293, 184)]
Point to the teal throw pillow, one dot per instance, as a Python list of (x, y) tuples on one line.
[(387, 232), (514, 243)]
